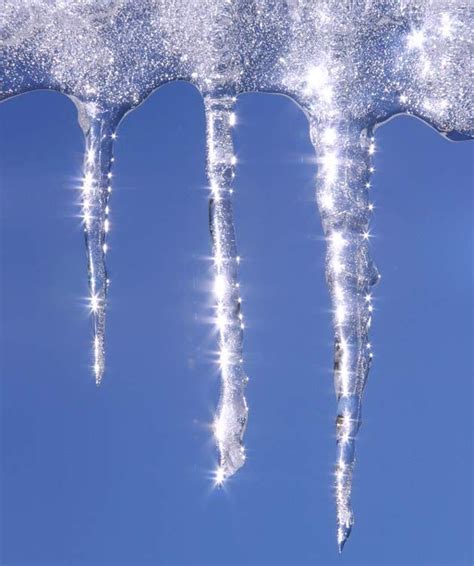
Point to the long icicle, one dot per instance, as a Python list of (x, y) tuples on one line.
[(231, 416), (343, 181), (99, 130)]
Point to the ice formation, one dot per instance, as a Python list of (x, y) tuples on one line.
[(231, 418), (349, 64)]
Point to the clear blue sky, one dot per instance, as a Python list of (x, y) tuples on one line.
[(120, 475)]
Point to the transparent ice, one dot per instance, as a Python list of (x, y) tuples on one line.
[(350, 64)]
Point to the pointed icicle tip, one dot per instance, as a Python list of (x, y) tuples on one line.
[(98, 374), (342, 537), (99, 358)]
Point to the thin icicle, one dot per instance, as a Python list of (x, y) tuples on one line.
[(343, 182), (99, 131), (231, 417)]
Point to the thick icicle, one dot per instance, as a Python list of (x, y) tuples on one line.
[(343, 182), (99, 131), (231, 417)]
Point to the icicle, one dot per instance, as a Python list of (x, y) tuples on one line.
[(343, 182), (231, 417), (99, 130)]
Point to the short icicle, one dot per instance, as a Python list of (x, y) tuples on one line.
[(231, 416), (344, 153), (99, 131)]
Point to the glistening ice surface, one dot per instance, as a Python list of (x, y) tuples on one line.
[(350, 65)]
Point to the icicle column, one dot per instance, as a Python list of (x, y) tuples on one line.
[(343, 184), (231, 417), (99, 132)]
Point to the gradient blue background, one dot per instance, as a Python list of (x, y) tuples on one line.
[(121, 475)]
